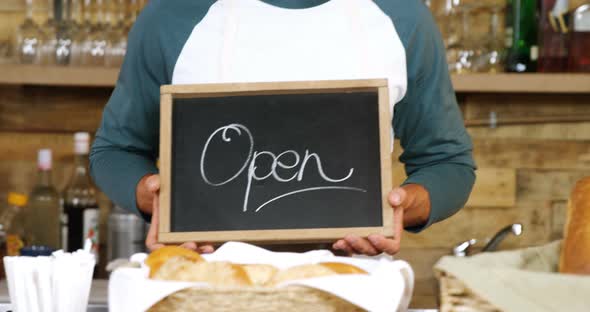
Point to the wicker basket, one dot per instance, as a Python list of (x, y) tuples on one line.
[(291, 298), (456, 297)]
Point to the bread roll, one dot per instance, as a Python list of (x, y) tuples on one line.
[(260, 274), (158, 257), (314, 270), (214, 273), (575, 252)]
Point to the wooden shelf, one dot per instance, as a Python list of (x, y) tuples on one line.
[(16, 74), (468, 83), (522, 83)]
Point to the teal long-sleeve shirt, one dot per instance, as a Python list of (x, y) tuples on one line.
[(180, 41)]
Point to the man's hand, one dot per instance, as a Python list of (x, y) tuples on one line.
[(148, 201), (411, 206)]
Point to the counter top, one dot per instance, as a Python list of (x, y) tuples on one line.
[(99, 297)]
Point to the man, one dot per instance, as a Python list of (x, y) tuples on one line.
[(207, 41)]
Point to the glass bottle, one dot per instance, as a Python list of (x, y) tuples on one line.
[(29, 38), (81, 213), (43, 212), (524, 51), (12, 229), (579, 52), (553, 36)]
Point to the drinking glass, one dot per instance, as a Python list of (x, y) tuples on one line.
[(29, 38), (462, 45), (492, 54), (78, 31), (95, 41), (50, 28), (65, 35)]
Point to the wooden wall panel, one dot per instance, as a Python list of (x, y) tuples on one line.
[(525, 105), (494, 187), (51, 109), (558, 219), (532, 153), (546, 131), (24, 145), (482, 224), (535, 185)]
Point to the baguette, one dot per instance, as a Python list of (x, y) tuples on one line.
[(575, 251)]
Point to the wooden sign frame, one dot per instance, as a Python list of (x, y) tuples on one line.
[(170, 92)]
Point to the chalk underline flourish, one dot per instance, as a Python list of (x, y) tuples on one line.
[(346, 188)]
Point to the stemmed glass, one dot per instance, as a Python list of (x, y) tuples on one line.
[(95, 41), (131, 12), (29, 38), (116, 34), (65, 32), (48, 47), (78, 31)]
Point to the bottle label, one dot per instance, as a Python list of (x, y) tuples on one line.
[(534, 53), (508, 34), (91, 229)]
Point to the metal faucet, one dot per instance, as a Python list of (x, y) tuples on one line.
[(464, 249), (515, 229)]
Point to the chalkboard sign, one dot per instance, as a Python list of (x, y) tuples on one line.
[(267, 162)]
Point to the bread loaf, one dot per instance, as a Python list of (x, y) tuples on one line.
[(214, 273), (575, 252), (260, 274), (157, 258), (314, 270)]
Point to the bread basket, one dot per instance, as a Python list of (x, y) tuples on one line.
[(292, 298), (455, 296), (386, 286)]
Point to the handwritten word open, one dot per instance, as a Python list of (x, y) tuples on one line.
[(277, 161)]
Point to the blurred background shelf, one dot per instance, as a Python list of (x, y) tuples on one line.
[(522, 83), (14, 74)]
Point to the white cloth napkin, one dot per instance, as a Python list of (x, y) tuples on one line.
[(521, 280), (60, 282), (388, 286)]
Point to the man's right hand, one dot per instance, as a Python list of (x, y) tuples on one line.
[(148, 201)]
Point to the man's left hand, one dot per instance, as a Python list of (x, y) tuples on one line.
[(411, 206)]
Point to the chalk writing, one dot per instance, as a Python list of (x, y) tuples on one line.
[(278, 161)]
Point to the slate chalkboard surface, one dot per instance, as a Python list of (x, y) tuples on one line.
[(255, 165)]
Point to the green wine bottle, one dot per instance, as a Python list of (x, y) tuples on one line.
[(521, 24)]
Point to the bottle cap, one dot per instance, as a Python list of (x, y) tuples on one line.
[(81, 143), (44, 159), (17, 199)]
